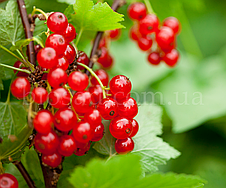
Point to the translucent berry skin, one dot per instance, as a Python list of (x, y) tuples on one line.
[(108, 108), (96, 93), (20, 87), (78, 81), (135, 126), (57, 42), (57, 77), (173, 23), (63, 63), (67, 145), (165, 38), (47, 58), (39, 95), (128, 108), (171, 58), (114, 34), (93, 117), (154, 58), (137, 11), (120, 127), (8, 181), (70, 53), (65, 119), (82, 102), (52, 160), (105, 59), (83, 132), (102, 75), (43, 122), (59, 97), (145, 43), (149, 24), (46, 143), (82, 151), (69, 33), (98, 133), (124, 146), (57, 22), (120, 85)]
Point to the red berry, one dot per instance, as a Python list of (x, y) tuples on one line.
[(108, 108), (93, 117), (154, 58), (38, 47), (57, 22), (46, 143), (128, 108), (67, 145), (123, 146), (82, 58), (102, 75), (63, 63), (59, 97), (8, 181), (82, 102), (103, 42), (17, 64), (52, 160), (119, 98), (57, 77), (20, 87), (134, 33), (173, 23), (171, 57), (145, 43), (80, 144), (47, 58), (82, 151), (105, 59), (70, 53), (114, 34), (39, 95), (149, 24), (137, 11), (96, 93), (135, 126), (65, 119), (82, 132), (98, 133), (57, 42), (43, 121), (120, 128), (78, 81), (70, 33)]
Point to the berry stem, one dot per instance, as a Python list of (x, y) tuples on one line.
[(26, 62), (2, 170), (149, 7), (79, 37), (14, 68), (39, 10)]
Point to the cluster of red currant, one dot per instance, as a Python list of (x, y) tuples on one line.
[(159, 42), (8, 181)]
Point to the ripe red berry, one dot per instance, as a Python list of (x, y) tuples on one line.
[(103, 42), (105, 59), (137, 11), (38, 47), (67, 145), (57, 22), (47, 58), (8, 181), (134, 33), (82, 132), (39, 95), (80, 144), (65, 119), (43, 121), (149, 24), (69, 33), (70, 53), (120, 127), (82, 58), (20, 87), (114, 34), (93, 117), (59, 97), (83, 150), (173, 23), (57, 77), (128, 108), (154, 58), (78, 81), (46, 143), (135, 126), (102, 75), (171, 57), (52, 160), (63, 63), (96, 93), (108, 108), (145, 43), (123, 146), (19, 64), (98, 133)]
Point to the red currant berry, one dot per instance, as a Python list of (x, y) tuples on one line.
[(38, 47), (47, 58), (105, 59), (173, 23), (82, 58), (17, 64), (128, 108), (135, 126), (78, 81), (120, 128), (57, 22), (82, 102), (149, 24), (154, 58), (96, 93), (67, 145), (70, 53), (119, 98), (82, 132), (93, 117), (171, 58), (134, 33), (137, 11), (145, 43), (82, 151), (123, 146), (39, 95), (8, 181), (52, 160), (98, 133), (43, 122), (65, 119), (70, 33), (114, 34), (20, 87), (57, 77), (80, 144), (63, 63), (102, 75), (59, 97), (103, 43), (108, 108), (46, 143), (23, 74)]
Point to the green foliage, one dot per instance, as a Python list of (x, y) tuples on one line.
[(20, 44)]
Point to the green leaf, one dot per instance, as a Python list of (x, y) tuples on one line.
[(11, 28), (67, 1), (20, 44)]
